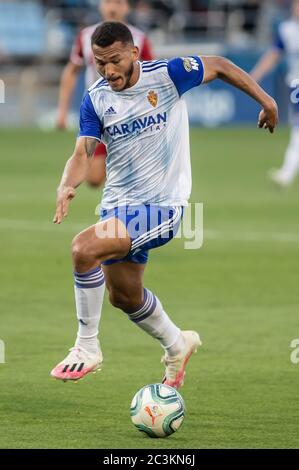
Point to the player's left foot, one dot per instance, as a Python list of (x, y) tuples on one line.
[(176, 365), (77, 364), (277, 177)]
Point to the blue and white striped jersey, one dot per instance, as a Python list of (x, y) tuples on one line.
[(287, 41), (146, 131)]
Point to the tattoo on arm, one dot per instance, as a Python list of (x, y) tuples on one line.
[(90, 146)]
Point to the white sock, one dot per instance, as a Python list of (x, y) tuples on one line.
[(89, 295), (290, 166), (151, 318)]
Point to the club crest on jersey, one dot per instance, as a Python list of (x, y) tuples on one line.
[(190, 64), (152, 98)]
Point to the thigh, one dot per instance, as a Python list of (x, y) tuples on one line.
[(149, 226), (105, 240)]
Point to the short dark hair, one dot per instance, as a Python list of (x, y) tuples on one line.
[(111, 31)]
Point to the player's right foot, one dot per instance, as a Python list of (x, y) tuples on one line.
[(278, 178), (175, 365), (77, 364)]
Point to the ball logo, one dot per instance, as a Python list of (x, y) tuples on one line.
[(157, 410), (153, 412), (190, 64), (152, 98)]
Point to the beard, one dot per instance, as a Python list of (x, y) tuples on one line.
[(125, 76), (128, 76)]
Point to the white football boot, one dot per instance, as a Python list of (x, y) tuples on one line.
[(176, 365), (77, 364), (279, 179)]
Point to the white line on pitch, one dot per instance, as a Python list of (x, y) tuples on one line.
[(67, 227), (35, 226), (251, 236)]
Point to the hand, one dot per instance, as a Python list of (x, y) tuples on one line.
[(61, 123), (64, 196), (268, 118)]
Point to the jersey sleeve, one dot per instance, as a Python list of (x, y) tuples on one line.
[(77, 56), (278, 41), (186, 73), (90, 124), (146, 52)]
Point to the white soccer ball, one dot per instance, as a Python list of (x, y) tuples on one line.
[(158, 410)]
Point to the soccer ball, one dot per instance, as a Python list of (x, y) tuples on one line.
[(158, 410)]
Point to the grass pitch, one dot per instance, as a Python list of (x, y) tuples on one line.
[(240, 291)]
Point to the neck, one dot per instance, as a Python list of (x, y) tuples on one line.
[(135, 75)]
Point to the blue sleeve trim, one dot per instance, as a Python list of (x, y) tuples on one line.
[(90, 124), (186, 73)]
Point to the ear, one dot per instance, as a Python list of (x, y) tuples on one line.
[(135, 53)]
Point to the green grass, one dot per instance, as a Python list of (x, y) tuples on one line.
[(241, 389)]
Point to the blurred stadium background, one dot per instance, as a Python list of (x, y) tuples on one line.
[(36, 38)]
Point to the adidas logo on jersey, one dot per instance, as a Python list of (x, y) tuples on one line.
[(110, 111)]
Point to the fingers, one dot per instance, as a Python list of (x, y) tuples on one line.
[(266, 126), (63, 205), (58, 215), (61, 123), (261, 123), (271, 129), (270, 125), (268, 119), (266, 123), (61, 211), (262, 120)]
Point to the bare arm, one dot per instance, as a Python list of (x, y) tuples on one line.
[(73, 175), (67, 85), (219, 67), (266, 64)]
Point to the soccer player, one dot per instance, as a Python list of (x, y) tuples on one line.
[(138, 110), (82, 56), (286, 44)]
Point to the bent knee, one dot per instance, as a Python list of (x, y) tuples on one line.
[(81, 252), (77, 247)]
